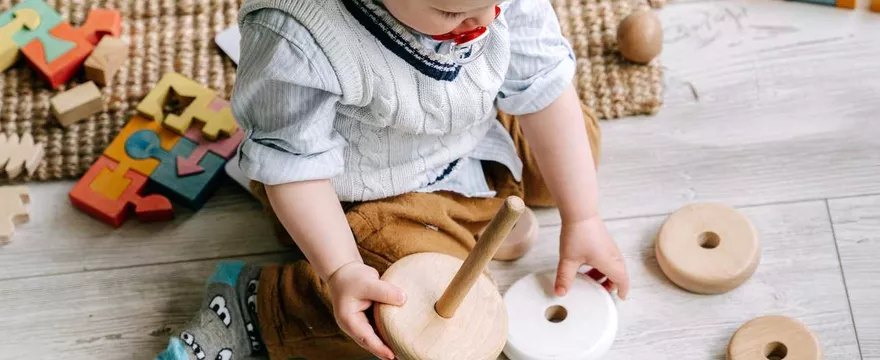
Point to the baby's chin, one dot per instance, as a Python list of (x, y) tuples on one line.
[(429, 28)]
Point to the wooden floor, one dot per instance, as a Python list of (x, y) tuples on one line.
[(772, 107)]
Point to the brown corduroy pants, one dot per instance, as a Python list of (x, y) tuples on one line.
[(295, 312)]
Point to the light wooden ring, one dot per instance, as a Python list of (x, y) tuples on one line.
[(414, 331), (708, 248), (773, 337)]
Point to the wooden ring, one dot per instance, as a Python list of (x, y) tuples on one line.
[(775, 338), (415, 331), (708, 248)]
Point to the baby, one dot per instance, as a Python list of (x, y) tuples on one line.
[(379, 129)]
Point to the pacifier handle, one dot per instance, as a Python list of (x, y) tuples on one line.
[(469, 36)]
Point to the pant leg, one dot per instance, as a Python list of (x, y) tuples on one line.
[(295, 313), (532, 189)]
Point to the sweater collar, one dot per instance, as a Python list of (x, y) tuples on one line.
[(402, 41)]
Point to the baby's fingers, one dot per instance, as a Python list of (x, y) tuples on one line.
[(358, 327), (384, 292), (615, 268), (565, 275)]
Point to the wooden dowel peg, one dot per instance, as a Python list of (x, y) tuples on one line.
[(480, 256)]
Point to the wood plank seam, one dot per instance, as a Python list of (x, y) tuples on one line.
[(843, 275)]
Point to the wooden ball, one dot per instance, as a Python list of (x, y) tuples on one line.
[(708, 248), (414, 331), (640, 37), (774, 338)]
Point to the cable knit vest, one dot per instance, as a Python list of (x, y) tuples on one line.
[(406, 111)]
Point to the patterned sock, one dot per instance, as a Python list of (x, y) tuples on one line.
[(226, 326)]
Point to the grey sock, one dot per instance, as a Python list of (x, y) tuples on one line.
[(226, 326)]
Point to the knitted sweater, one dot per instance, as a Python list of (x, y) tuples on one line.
[(403, 117)]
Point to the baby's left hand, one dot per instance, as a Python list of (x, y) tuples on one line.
[(588, 242)]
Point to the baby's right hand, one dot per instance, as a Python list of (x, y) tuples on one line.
[(353, 288)]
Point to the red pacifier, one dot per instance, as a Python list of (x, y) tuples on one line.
[(467, 46)]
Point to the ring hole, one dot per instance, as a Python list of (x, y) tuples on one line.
[(556, 314), (709, 240), (775, 351)]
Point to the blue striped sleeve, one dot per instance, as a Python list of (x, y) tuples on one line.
[(284, 99), (542, 62)]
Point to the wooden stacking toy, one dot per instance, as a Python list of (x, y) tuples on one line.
[(453, 310), (773, 338), (580, 326), (708, 248)]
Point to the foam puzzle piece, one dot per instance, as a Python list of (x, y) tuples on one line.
[(8, 53), (191, 191), (145, 144), (195, 102), (100, 23), (224, 148), (49, 18), (24, 18), (144, 166), (12, 210), (114, 210), (17, 154), (106, 59), (58, 71)]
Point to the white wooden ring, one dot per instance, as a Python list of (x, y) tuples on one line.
[(579, 326), (775, 338), (708, 248)]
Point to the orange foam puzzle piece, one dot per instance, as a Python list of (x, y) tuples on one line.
[(87, 196), (145, 167), (60, 70), (100, 23)]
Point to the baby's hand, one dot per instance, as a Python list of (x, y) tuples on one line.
[(588, 242), (353, 288)]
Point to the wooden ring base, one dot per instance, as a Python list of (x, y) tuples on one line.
[(414, 331), (708, 248), (773, 337)]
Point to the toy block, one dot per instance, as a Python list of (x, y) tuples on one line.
[(46, 19), (22, 19), (17, 153), (61, 69), (106, 59), (116, 208), (176, 101), (12, 210), (145, 166), (845, 4), (191, 191), (224, 148), (100, 23), (77, 104)]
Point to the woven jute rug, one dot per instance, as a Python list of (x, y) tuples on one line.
[(177, 35)]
